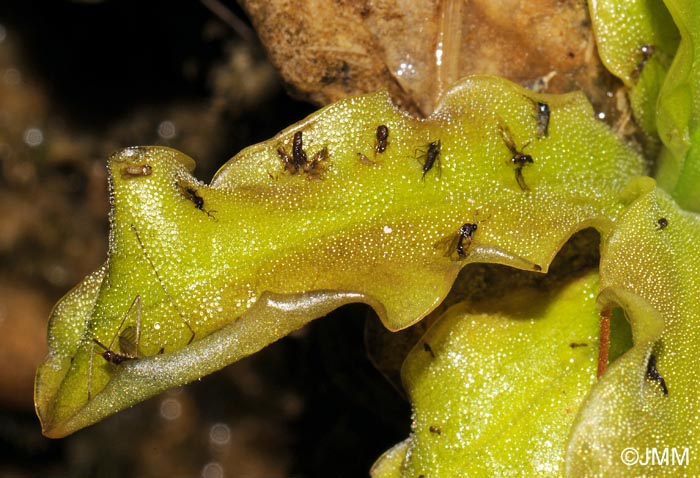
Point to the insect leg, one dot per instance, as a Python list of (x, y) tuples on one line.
[(162, 286), (520, 179)]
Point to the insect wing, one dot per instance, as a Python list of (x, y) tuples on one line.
[(128, 342), (449, 246)]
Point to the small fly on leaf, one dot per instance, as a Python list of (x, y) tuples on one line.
[(654, 375), (128, 338), (382, 139), (193, 195), (299, 161), (456, 246), (430, 157), (518, 158)]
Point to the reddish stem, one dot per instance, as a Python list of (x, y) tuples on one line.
[(604, 340)]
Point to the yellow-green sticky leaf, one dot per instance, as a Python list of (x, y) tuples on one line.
[(496, 390), (650, 268), (211, 273), (678, 113), (636, 41)]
